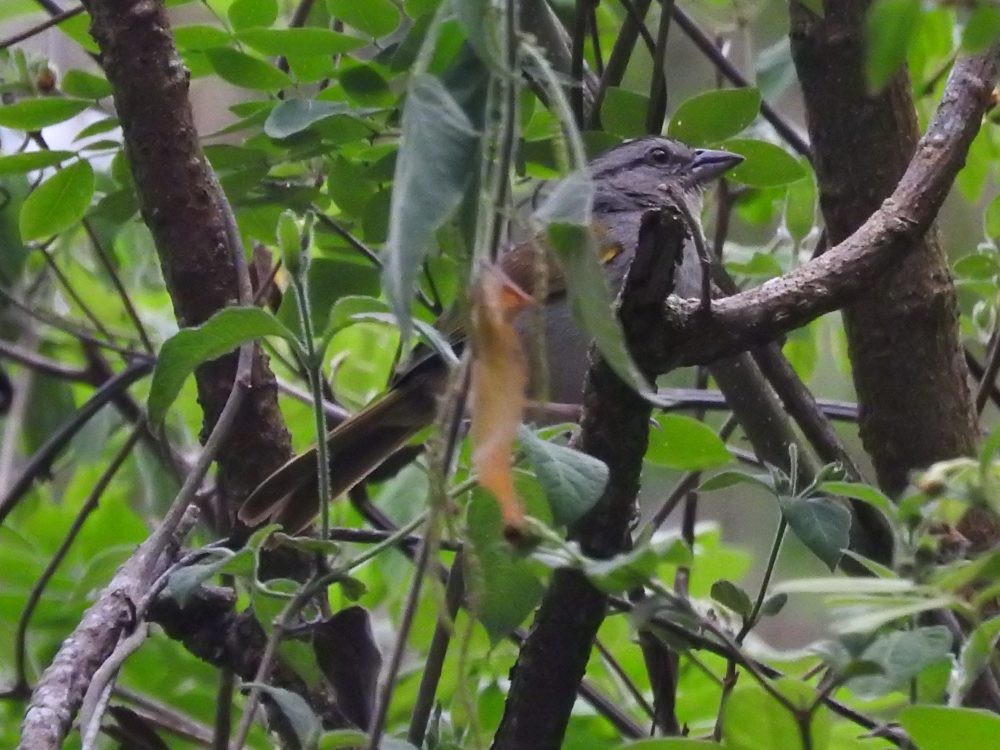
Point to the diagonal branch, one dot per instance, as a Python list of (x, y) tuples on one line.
[(760, 315)]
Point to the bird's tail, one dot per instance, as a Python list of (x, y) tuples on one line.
[(356, 448)]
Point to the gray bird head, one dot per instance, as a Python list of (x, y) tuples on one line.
[(631, 175)]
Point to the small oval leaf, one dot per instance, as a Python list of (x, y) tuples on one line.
[(765, 165), (58, 203), (713, 116), (188, 348)]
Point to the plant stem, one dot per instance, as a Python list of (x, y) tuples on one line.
[(768, 572), (314, 366)]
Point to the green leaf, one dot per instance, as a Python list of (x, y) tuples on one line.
[(754, 720), (85, 85), (669, 743), (240, 69), (800, 205), (889, 28), (981, 29), (713, 116), (364, 85), (183, 581), (58, 203), (684, 443), (941, 728), (374, 17), (188, 348), (246, 13), (305, 723), (730, 595), (505, 588), (295, 115), (623, 112), (35, 114), (573, 481), (764, 165), (28, 161), (902, 655), (843, 585), (628, 570), (773, 605), (198, 37), (863, 492), (343, 738), (865, 618), (299, 42), (432, 172), (725, 479), (822, 525), (977, 652)]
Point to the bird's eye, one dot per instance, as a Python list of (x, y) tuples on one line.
[(659, 156)]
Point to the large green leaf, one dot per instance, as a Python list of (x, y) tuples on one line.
[(628, 570), (373, 17), (297, 711), (684, 443), (941, 728), (902, 655), (623, 112), (711, 117), (977, 652), (982, 28), (35, 114), (765, 165), (821, 524), (58, 203), (188, 348), (240, 69), (299, 42), (669, 743), (244, 14), (85, 85), (889, 29), (295, 115), (29, 161), (573, 481), (800, 206), (432, 173), (198, 37), (752, 719), (505, 590)]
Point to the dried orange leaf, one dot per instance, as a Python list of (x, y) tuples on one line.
[(499, 377)]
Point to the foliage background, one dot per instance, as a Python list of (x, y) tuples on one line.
[(342, 167)]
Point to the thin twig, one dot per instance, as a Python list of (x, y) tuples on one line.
[(88, 507), (40, 27), (657, 110), (433, 665), (130, 309), (42, 364), (40, 463)]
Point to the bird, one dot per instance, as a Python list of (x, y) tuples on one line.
[(628, 180)]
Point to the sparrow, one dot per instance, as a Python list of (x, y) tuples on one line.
[(628, 180)]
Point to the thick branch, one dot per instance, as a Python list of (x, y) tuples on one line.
[(188, 216), (615, 429), (59, 692), (911, 414)]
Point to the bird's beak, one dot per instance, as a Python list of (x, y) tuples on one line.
[(709, 164)]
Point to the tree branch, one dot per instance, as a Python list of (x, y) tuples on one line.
[(189, 218), (758, 316)]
